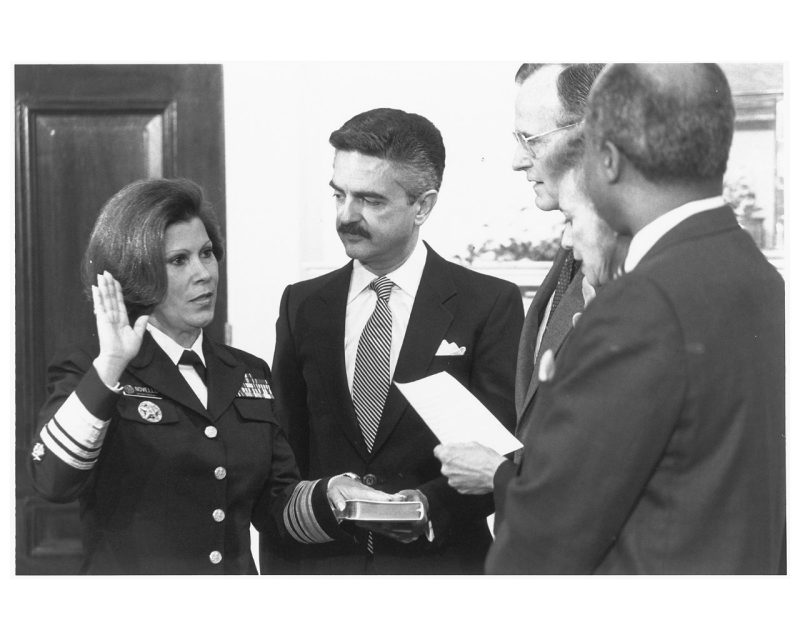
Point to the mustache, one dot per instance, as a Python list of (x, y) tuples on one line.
[(353, 228)]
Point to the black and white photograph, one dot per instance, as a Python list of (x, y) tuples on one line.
[(384, 339)]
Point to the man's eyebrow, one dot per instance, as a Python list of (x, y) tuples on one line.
[(373, 195)]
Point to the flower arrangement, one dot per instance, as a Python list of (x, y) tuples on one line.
[(524, 236)]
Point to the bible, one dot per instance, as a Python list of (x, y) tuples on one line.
[(377, 511)]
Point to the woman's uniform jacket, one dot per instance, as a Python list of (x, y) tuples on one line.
[(165, 485)]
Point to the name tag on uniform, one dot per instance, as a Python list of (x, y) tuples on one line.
[(137, 391), (255, 388)]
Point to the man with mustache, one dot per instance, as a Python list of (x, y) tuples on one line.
[(396, 312)]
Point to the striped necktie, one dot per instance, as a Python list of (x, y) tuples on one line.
[(371, 374)]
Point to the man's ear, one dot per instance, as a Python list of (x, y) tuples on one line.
[(426, 202), (611, 159)]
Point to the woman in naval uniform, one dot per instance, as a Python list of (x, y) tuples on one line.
[(167, 438)]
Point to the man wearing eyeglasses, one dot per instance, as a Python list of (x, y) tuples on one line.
[(659, 440), (550, 103)]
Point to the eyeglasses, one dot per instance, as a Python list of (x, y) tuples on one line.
[(527, 142)]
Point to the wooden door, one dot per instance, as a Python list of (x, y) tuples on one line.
[(83, 132)]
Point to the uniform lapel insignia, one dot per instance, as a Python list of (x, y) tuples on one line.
[(150, 411), (255, 388), (38, 452)]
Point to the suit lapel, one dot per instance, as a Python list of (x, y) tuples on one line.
[(530, 330), (325, 313), (154, 368), (427, 326), (557, 329)]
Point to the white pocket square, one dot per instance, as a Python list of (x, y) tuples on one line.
[(450, 349)]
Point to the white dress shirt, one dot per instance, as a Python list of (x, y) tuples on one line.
[(174, 352), (361, 302), (652, 232)]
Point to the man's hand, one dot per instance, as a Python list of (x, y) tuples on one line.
[(343, 488), (404, 532), (469, 466)]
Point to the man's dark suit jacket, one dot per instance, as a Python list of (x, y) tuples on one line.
[(475, 311), (658, 445), (527, 380)]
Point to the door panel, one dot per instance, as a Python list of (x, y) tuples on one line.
[(83, 132)]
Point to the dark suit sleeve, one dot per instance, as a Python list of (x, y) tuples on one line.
[(71, 427), (492, 382), (294, 508), (290, 388), (291, 508), (505, 473), (602, 424)]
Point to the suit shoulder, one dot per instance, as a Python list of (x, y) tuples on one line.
[(80, 354), (245, 357), (304, 288), (481, 282)]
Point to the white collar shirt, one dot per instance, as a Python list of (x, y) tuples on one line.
[(174, 352), (652, 232), (361, 302)]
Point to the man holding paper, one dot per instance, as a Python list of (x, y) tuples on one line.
[(658, 444), (549, 106), (396, 312)]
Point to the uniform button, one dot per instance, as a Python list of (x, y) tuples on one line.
[(370, 479), (211, 431), (220, 473), (215, 557), (218, 515)]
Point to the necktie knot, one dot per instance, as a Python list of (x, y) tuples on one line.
[(190, 358), (382, 286)]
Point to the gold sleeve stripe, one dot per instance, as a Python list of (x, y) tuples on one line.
[(74, 435), (298, 515), (64, 454)]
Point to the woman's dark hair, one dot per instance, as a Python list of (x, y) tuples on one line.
[(128, 237)]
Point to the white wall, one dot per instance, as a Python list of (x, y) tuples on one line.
[(278, 117)]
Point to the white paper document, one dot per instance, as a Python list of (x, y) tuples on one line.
[(455, 415)]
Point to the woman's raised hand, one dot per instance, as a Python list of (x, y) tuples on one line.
[(119, 341)]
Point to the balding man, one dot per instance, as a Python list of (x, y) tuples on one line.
[(658, 443)]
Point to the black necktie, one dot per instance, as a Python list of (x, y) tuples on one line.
[(191, 358)]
